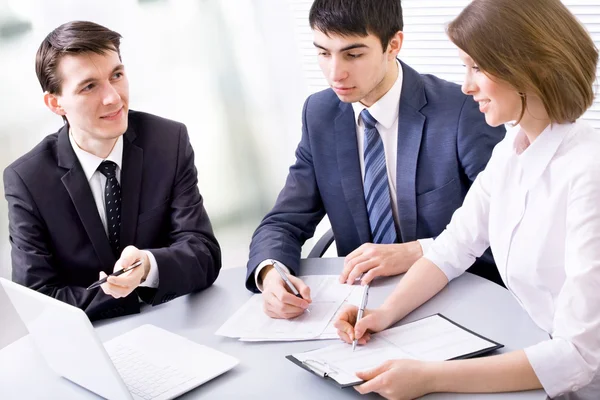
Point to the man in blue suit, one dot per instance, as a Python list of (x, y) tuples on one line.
[(388, 154)]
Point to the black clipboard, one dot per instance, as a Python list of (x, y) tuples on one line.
[(324, 371), (321, 371)]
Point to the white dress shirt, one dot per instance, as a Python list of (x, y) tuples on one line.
[(385, 111), (90, 163), (538, 206)]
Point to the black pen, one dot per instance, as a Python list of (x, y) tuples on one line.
[(117, 273)]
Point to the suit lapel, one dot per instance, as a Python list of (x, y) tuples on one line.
[(79, 190), (349, 167), (131, 184), (410, 132)]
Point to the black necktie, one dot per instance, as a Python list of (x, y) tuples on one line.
[(112, 202)]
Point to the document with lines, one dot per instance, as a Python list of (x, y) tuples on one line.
[(250, 323), (434, 338)]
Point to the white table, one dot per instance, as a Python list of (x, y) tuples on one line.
[(263, 372)]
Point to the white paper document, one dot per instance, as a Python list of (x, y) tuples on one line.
[(250, 323), (434, 338)]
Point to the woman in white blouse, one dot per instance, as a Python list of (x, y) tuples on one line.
[(537, 204)]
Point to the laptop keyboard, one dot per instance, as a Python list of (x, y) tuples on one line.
[(143, 377)]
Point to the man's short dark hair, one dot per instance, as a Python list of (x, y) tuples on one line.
[(71, 38), (382, 18)]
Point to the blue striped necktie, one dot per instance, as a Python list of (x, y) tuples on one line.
[(377, 190)]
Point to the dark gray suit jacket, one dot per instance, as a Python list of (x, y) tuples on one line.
[(59, 244), (443, 143)]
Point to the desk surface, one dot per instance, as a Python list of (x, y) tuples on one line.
[(263, 371)]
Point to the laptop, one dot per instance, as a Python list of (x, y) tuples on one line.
[(145, 363)]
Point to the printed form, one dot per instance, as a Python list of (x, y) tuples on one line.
[(250, 323), (430, 339)]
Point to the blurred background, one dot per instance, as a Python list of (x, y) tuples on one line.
[(236, 72)]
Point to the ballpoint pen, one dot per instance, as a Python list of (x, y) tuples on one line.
[(361, 310), (116, 273), (289, 284)]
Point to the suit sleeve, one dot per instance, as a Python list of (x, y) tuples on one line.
[(33, 263), (294, 217), (476, 139), (192, 261)]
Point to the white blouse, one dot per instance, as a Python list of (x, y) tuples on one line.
[(538, 207)]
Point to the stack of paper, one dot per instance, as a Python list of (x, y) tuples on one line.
[(250, 323)]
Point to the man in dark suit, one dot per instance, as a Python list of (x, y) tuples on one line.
[(111, 187), (388, 154)]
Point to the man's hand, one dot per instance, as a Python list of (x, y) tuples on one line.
[(397, 379), (374, 260), (372, 321), (124, 284), (278, 301)]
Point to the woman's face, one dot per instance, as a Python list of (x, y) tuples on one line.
[(499, 101)]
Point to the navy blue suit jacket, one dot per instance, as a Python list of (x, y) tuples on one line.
[(59, 244), (443, 143)]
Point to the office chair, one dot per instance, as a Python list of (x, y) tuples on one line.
[(322, 245)]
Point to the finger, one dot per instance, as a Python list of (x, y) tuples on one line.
[(344, 336), (373, 385), (348, 314), (350, 265), (286, 297), (128, 279), (122, 291), (293, 302), (364, 339), (345, 327), (375, 372), (281, 309), (277, 312), (372, 274), (301, 287), (367, 322), (105, 289), (110, 290), (270, 311), (129, 255), (361, 268), (118, 281), (267, 308), (355, 253)]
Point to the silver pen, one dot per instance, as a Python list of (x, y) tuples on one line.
[(289, 284), (361, 310)]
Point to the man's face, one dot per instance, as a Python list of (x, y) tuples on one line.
[(357, 68), (95, 95)]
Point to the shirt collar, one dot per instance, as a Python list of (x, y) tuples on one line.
[(385, 110), (90, 163), (535, 157)]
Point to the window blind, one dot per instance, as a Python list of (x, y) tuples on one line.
[(426, 47)]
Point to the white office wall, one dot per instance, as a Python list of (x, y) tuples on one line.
[(228, 69), (426, 46)]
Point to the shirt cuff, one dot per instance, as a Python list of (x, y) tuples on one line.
[(558, 366), (261, 266), (152, 279), (425, 244)]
